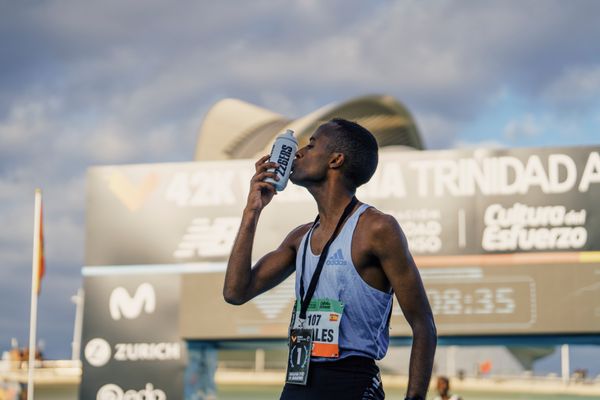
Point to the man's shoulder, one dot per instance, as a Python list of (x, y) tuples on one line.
[(376, 222), (295, 236), (301, 230)]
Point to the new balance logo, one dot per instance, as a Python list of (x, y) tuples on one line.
[(206, 238), (122, 304), (336, 259), (272, 303)]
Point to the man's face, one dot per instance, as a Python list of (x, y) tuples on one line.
[(442, 387), (312, 161)]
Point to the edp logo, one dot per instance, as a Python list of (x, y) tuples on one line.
[(114, 392)]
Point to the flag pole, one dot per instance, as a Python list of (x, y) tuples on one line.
[(35, 284)]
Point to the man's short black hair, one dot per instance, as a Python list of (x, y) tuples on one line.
[(359, 147)]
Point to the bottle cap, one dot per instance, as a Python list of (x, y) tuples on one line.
[(289, 134)]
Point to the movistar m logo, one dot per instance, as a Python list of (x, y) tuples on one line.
[(122, 304), (336, 259)]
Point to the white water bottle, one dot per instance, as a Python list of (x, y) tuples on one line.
[(283, 153)]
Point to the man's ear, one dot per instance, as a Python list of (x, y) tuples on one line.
[(336, 160)]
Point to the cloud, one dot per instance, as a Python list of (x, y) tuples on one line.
[(110, 143), (114, 82), (25, 123), (438, 130), (575, 88), (526, 126), (483, 144)]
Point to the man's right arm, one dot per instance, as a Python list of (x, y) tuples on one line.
[(242, 281)]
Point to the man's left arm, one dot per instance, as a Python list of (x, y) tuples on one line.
[(391, 248)]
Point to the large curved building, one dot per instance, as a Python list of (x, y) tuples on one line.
[(234, 129)]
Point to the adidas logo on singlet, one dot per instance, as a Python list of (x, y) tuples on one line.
[(336, 259)]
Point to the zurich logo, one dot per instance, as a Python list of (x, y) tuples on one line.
[(336, 259)]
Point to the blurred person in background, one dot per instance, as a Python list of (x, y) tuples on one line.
[(443, 389)]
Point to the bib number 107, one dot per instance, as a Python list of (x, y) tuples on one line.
[(314, 319)]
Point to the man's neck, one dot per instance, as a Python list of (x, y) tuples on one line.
[(331, 201)]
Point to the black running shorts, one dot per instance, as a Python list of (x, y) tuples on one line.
[(351, 378)]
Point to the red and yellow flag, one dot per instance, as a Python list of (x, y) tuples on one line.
[(41, 263)]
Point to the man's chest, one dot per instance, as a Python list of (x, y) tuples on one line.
[(351, 251)]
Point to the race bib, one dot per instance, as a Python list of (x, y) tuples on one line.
[(300, 343), (323, 317)]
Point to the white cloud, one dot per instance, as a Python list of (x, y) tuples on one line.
[(575, 87), (110, 143), (439, 131), (483, 144), (64, 240), (526, 126), (88, 83), (26, 122)]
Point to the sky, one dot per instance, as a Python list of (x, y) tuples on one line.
[(121, 82)]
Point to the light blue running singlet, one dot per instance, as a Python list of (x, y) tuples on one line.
[(364, 327)]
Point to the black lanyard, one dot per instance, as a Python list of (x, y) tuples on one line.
[(305, 300)]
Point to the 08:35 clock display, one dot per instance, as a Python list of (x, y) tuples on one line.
[(491, 301)]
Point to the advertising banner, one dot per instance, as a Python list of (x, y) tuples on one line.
[(507, 241), (131, 347)]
